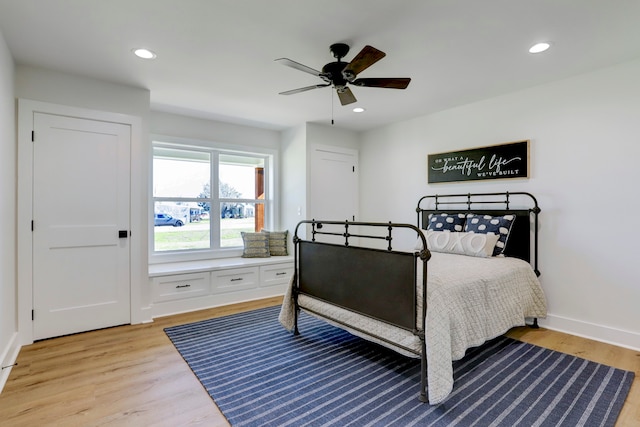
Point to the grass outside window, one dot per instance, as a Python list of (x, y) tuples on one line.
[(195, 235)]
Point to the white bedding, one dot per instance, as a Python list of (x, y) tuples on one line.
[(469, 301)]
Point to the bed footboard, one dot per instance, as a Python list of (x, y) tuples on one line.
[(374, 283), (379, 283)]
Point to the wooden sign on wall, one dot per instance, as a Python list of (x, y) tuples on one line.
[(494, 162)]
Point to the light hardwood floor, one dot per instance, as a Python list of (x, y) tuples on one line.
[(133, 376)]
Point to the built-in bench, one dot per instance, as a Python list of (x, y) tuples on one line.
[(178, 287)]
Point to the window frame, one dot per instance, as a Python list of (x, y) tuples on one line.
[(215, 149)]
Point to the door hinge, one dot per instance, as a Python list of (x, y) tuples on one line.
[(33, 136), (33, 315), (32, 225), (353, 168)]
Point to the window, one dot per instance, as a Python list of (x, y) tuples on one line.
[(193, 221)]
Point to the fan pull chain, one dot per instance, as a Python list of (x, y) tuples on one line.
[(332, 102)]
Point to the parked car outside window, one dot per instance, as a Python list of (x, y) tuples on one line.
[(165, 219)]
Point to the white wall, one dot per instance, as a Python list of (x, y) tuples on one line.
[(329, 135), (293, 182), (178, 126), (8, 305), (585, 147), (55, 87)]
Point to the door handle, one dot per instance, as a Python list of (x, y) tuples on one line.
[(123, 234)]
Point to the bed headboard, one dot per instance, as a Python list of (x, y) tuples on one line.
[(523, 239)]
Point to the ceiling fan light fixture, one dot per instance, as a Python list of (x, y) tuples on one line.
[(143, 53), (539, 47)]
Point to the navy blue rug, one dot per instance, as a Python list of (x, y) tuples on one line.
[(261, 375)]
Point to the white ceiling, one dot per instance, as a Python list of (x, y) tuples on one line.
[(216, 57)]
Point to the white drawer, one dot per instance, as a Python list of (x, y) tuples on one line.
[(166, 288), (235, 279), (277, 274)]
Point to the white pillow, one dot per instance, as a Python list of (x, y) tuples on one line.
[(462, 243)]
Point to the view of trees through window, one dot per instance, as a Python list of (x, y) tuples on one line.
[(188, 215)]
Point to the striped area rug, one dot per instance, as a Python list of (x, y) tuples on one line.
[(261, 375)]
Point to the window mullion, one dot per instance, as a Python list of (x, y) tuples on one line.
[(221, 200), (214, 211), (180, 199)]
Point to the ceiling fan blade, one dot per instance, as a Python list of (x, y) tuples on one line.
[(346, 96), (364, 59), (392, 83), (298, 66), (303, 89)]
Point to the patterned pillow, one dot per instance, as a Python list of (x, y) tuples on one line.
[(256, 245), (446, 222), (277, 242), (500, 225)]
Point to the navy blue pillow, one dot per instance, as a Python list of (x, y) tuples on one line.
[(446, 222), (500, 225)]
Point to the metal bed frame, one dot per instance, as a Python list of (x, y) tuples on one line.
[(361, 273)]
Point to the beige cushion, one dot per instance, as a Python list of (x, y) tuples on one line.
[(277, 242), (256, 245)]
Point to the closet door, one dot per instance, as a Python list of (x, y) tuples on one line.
[(333, 183), (81, 256)]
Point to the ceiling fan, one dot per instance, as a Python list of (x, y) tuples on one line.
[(340, 74)]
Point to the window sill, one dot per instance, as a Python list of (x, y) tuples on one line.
[(184, 267)]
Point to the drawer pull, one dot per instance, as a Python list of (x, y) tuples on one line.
[(281, 273), (183, 286), (236, 280)]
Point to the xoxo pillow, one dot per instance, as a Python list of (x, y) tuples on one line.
[(472, 244)]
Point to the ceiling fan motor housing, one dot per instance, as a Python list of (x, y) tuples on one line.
[(333, 73)]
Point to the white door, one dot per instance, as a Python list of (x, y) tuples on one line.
[(333, 184), (80, 225)]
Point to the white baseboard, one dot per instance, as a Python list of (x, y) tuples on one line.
[(8, 358), (146, 314), (606, 334)]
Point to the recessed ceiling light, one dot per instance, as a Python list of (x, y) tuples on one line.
[(359, 110), (144, 53), (539, 47)]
